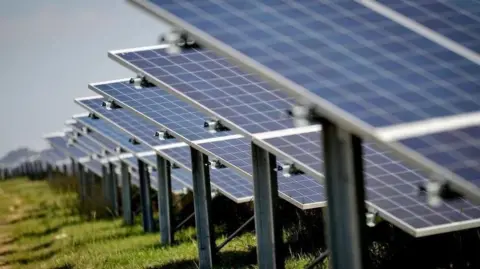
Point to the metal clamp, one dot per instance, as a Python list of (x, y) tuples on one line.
[(216, 164), (141, 82), (110, 104), (134, 141), (163, 135), (288, 169), (215, 126), (371, 217)]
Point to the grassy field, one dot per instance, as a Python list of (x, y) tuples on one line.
[(41, 228)]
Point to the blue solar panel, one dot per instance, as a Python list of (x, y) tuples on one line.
[(126, 120), (89, 144), (392, 187), (457, 20), (60, 142), (132, 162), (94, 166), (218, 86), (99, 139), (457, 150), (183, 176), (237, 187), (177, 186), (303, 191), (362, 62), (113, 133), (160, 107)]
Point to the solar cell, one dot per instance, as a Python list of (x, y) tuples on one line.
[(393, 188), (159, 106), (457, 20), (301, 190), (365, 65)]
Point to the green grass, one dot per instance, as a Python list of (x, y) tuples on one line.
[(47, 232)]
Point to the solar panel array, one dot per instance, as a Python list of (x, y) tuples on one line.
[(354, 60), (365, 62)]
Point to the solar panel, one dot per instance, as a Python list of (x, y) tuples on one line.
[(457, 150), (238, 188), (301, 190), (99, 139), (159, 106), (393, 188), (88, 144), (373, 72), (456, 20), (111, 132), (94, 166), (60, 142), (218, 86), (228, 181), (123, 119)]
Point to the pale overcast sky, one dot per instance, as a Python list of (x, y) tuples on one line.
[(50, 50)]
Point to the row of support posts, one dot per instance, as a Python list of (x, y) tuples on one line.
[(345, 192)]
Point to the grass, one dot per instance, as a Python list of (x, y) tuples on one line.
[(42, 228)]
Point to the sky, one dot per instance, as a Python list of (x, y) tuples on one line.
[(50, 50)]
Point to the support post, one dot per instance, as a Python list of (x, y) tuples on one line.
[(202, 201), (145, 199), (65, 170), (126, 195), (82, 183), (267, 226), (104, 184), (112, 189), (74, 168), (346, 198), (165, 201)]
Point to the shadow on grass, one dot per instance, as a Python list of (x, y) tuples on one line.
[(38, 258), (9, 241), (64, 266), (227, 259), (7, 252), (41, 246), (28, 217), (51, 230)]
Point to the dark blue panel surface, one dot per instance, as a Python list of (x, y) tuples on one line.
[(160, 107), (101, 140), (392, 186), (113, 133), (89, 144), (219, 86), (94, 166), (302, 189), (457, 150), (367, 65), (183, 176), (227, 180), (60, 143), (457, 20), (134, 124)]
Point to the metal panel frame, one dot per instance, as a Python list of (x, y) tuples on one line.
[(165, 210), (325, 109)]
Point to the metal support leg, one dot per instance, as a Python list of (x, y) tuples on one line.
[(126, 195), (202, 200), (165, 201), (318, 260), (65, 170), (346, 198), (267, 227), (112, 189), (184, 221), (73, 165), (145, 199), (234, 234), (104, 184), (82, 183)]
